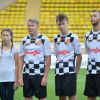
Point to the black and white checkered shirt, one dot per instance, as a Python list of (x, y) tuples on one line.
[(92, 44), (34, 49), (66, 47)]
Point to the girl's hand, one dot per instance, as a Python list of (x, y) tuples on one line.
[(15, 86)]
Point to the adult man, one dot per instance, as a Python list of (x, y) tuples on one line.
[(92, 44), (67, 50), (35, 55)]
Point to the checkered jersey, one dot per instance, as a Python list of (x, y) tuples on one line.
[(65, 67), (92, 44), (34, 68), (34, 49), (65, 48)]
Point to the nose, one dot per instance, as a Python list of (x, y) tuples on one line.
[(61, 26), (5, 37)]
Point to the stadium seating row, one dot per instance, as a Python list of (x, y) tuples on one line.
[(78, 12)]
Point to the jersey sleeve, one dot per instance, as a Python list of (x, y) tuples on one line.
[(21, 51), (55, 49), (47, 48), (76, 45), (85, 43)]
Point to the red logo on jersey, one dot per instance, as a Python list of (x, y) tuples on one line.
[(33, 52), (96, 50), (64, 52)]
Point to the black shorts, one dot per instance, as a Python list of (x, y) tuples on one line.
[(32, 86), (92, 85), (65, 85), (7, 90)]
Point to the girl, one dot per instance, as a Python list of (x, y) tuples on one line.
[(8, 66)]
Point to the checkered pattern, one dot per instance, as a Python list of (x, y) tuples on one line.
[(93, 67), (63, 38), (65, 67), (33, 68), (30, 40), (92, 36), (92, 41)]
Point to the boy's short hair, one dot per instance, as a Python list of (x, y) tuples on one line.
[(96, 11), (61, 16)]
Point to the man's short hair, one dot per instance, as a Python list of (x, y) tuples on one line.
[(61, 16), (34, 21)]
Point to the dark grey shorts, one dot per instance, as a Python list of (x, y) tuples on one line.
[(32, 86), (92, 85), (65, 85)]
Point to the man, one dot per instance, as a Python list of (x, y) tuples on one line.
[(92, 44), (35, 59), (67, 50)]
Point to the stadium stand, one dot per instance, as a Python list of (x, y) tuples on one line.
[(14, 17), (78, 12)]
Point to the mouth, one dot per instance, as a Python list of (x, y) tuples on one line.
[(92, 20), (62, 29), (30, 29), (5, 40)]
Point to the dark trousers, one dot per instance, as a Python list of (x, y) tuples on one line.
[(6, 90)]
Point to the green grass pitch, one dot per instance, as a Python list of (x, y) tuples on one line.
[(51, 87)]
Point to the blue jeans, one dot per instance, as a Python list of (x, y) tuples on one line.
[(6, 90)]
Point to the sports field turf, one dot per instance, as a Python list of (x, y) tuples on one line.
[(51, 87)]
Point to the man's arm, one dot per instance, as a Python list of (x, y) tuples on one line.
[(78, 62), (47, 59), (47, 68)]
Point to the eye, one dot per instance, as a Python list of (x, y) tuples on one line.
[(63, 23), (7, 35), (59, 24), (95, 16), (3, 35)]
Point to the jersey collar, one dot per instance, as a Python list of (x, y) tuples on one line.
[(34, 37)]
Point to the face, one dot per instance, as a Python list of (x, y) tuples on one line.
[(62, 26), (6, 37), (95, 18), (32, 28)]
